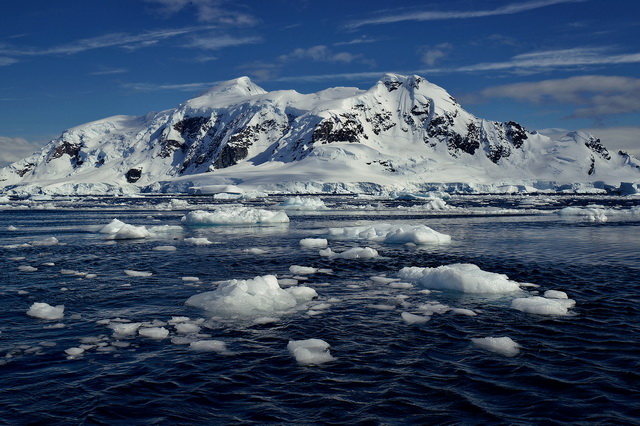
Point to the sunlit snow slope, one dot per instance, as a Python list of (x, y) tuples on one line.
[(404, 133)]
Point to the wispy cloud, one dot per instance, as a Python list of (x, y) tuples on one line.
[(14, 149), (5, 61), (555, 59), (592, 96), (210, 11), (508, 9), (186, 87), (119, 40), (215, 42), (109, 71)]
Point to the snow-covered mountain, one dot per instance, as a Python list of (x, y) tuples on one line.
[(404, 133)]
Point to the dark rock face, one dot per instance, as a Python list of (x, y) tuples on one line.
[(516, 133), (596, 146), (134, 175), (343, 128), (73, 150)]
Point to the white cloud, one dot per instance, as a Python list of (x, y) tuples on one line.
[(14, 149), (431, 55), (430, 15), (5, 61), (592, 96)]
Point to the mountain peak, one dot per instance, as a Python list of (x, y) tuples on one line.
[(238, 86)]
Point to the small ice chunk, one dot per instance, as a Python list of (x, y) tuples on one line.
[(131, 232), (413, 318), (352, 253), (51, 241), (132, 273), (303, 203), (165, 248), (27, 268), (112, 227), (392, 233), (208, 346), (46, 311), (464, 277), (555, 294), (199, 241), (125, 329), (74, 351), (591, 214), (265, 320), (500, 345), (234, 215), (314, 242), (542, 305), (310, 351), (302, 270), (462, 311), (154, 332), (11, 228), (256, 250), (187, 328), (193, 279)]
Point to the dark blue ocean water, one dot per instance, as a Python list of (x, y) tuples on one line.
[(580, 368)]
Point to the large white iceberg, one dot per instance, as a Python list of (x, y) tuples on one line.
[(234, 215), (255, 297), (464, 277), (391, 233)]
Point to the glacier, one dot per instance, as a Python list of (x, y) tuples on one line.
[(404, 134)]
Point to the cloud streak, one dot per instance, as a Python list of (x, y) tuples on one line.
[(508, 9), (592, 96)]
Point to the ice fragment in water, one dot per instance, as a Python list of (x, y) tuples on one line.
[(543, 306), (46, 311), (464, 277), (234, 216), (314, 242), (500, 345), (310, 351)]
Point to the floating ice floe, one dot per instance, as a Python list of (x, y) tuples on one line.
[(500, 345), (464, 277), (352, 253), (302, 270), (314, 242), (27, 268), (391, 233), (45, 311), (132, 273), (543, 305), (208, 346), (199, 241), (303, 203), (234, 215), (125, 329), (165, 248), (310, 351), (254, 297), (410, 318), (50, 241), (153, 332), (592, 214)]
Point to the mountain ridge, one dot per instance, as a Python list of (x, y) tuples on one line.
[(403, 132)]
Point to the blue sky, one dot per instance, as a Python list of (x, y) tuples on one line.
[(572, 64)]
